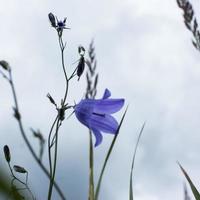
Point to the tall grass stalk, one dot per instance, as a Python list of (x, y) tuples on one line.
[(192, 186), (133, 163), (91, 170), (107, 157)]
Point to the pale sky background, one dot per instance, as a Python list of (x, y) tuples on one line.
[(144, 55)]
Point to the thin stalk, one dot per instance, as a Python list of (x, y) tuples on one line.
[(133, 163), (13, 175), (55, 161), (49, 146), (23, 183), (107, 157), (26, 139), (91, 171), (53, 169), (62, 48)]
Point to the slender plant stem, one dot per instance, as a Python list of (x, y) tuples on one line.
[(62, 48), (13, 175), (91, 175), (23, 183), (107, 157), (55, 161), (53, 169), (49, 146), (133, 163), (26, 139)]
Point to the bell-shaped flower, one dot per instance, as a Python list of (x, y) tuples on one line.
[(96, 115)]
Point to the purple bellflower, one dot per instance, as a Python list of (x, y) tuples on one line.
[(96, 115)]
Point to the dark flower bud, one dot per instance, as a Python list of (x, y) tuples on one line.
[(5, 65), (80, 67), (7, 153), (19, 169), (52, 20), (81, 50), (51, 99)]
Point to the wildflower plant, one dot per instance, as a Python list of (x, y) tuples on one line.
[(95, 114)]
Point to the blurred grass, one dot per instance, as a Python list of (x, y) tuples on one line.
[(5, 187), (192, 186)]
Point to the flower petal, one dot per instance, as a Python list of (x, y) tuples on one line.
[(106, 94), (83, 113), (108, 106), (104, 123), (98, 137)]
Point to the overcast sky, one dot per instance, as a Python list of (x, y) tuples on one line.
[(144, 55)]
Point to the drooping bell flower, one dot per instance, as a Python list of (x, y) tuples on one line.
[(96, 115)]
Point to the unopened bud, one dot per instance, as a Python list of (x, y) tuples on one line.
[(81, 50), (51, 99), (5, 65), (7, 153), (19, 169), (80, 67), (52, 20)]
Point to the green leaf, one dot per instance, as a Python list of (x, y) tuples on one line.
[(133, 162), (107, 157), (193, 188)]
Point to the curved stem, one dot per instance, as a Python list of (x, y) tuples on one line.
[(26, 139)]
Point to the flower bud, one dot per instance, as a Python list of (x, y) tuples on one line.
[(7, 153), (51, 99), (19, 169), (5, 65), (52, 20), (80, 67), (81, 50)]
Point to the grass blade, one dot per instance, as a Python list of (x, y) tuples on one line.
[(107, 157), (193, 188), (133, 162)]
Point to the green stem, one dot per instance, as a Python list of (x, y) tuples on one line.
[(55, 161), (91, 173), (49, 146), (23, 183), (107, 157), (26, 139), (62, 48)]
